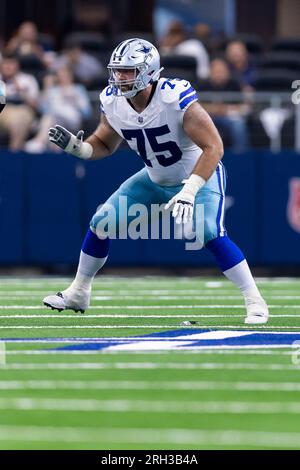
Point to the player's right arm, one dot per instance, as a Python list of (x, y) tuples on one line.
[(103, 142)]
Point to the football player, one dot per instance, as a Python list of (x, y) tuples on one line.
[(162, 120)]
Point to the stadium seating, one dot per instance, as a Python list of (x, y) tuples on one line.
[(286, 44), (92, 43), (275, 80), (180, 66), (282, 60)]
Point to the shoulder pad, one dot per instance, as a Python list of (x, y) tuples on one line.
[(177, 91)]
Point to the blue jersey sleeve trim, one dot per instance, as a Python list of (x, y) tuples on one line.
[(188, 100), (102, 108), (186, 92)]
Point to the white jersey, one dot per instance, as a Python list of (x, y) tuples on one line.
[(157, 134)]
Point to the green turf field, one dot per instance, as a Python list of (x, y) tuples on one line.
[(149, 396)]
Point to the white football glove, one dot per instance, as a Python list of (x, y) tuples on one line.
[(70, 143), (184, 200)]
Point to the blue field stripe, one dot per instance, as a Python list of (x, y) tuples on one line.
[(188, 100)]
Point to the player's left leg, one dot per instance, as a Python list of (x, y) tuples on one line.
[(234, 266), (228, 256)]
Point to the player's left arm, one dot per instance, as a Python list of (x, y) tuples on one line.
[(199, 127)]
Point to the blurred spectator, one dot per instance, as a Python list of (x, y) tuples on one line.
[(25, 42), (228, 116), (22, 93), (212, 40), (34, 57), (93, 16), (242, 70), (176, 41), (63, 102), (202, 31), (85, 67)]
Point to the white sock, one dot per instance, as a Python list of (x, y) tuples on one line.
[(241, 276), (87, 269)]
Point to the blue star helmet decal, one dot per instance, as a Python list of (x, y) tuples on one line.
[(144, 49)]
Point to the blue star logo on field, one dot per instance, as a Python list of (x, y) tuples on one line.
[(188, 339)]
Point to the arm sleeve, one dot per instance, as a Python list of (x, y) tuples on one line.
[(186, 97), (102, 107)]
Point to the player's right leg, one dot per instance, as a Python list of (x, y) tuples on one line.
[(95, 248), (93, 255)]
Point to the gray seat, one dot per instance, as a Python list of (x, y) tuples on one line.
[(89, 41), (275, 80), (286, 44), (282, 60)]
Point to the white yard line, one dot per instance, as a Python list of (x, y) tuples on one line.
[(61, 327), (90, 352), (66, 316), (154, 297), (137, 293), (152, 366), (114, 327), (147, 307), (148, 385), (149, 406), (147, 436)]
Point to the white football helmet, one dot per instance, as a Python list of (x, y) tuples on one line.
[(138, 55)]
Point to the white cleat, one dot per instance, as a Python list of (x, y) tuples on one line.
[(257, 311), (69, 299)]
